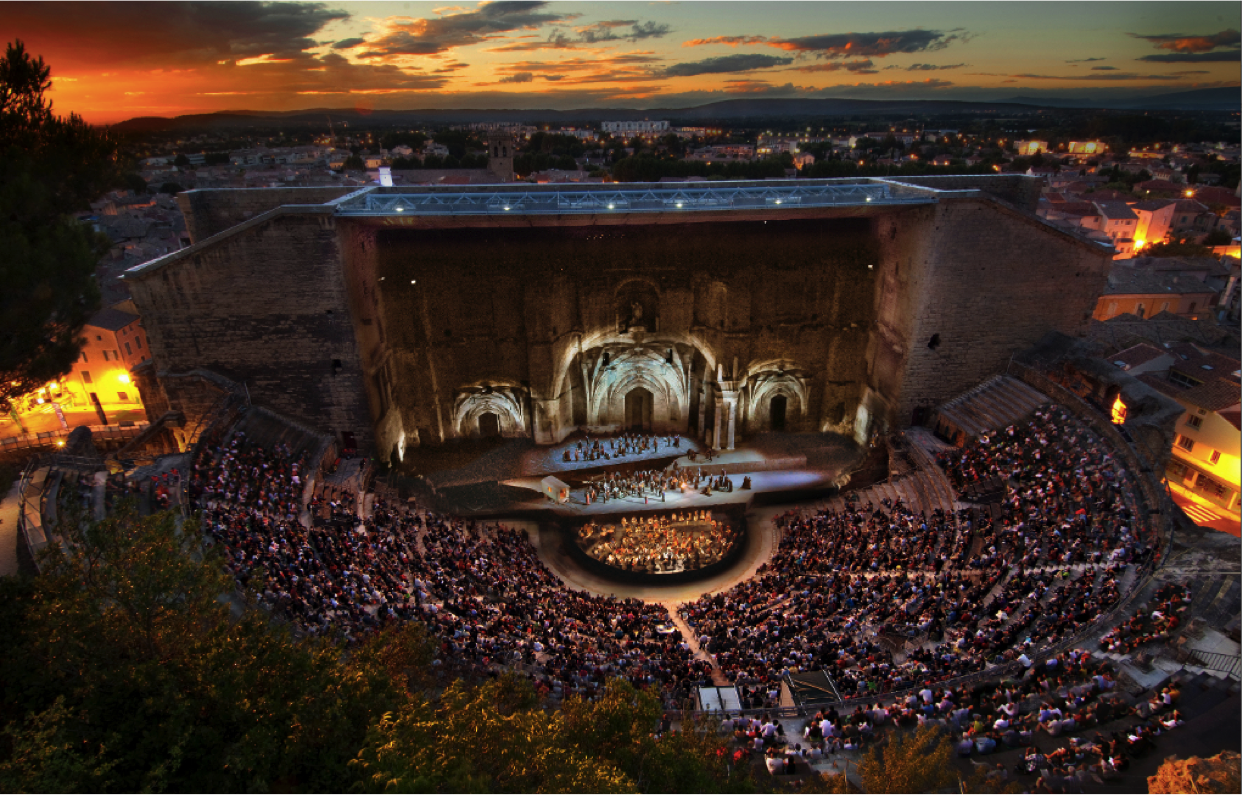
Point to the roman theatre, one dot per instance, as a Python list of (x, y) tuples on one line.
[(396, 318)]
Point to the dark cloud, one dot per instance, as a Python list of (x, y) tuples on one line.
[(600, 32), (518, 77), (888, 87), (1085, 60), (846, 45), (926, 67), (1103, 68), (866, 67), (433, 36), (731, 41), (345, 44), (1177, 42), (724, 65), (1225, 56), (610, 31), (1110, 76), (621, 69), (557, 40), (171, 35)]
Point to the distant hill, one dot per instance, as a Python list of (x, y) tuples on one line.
[(1223, 99), (726, 110)]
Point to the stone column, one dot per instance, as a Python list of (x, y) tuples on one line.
[(719, 413), (726, 415)]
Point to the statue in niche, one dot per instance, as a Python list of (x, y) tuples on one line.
[(637, 307)]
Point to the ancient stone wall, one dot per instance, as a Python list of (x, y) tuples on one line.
[(984, 282), (790, 301), (266, 307), (211, 211), (1020, 190), (406, 334)]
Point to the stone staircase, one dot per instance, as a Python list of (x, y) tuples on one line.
[(923, 489), (996, 403), (268, 429), (1214, 608)]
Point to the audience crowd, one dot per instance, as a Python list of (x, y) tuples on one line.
[(881, 598), (481, 590), (1064, 711)]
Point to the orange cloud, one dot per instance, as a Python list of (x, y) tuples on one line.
[(731, 41)]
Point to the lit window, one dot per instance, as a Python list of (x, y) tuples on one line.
[(86, 376), (121, 396), (1215, 458), (1194, 422), (130, 351), (1186, 443)]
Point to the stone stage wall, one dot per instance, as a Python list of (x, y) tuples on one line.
[(563, 324), (394, 333)]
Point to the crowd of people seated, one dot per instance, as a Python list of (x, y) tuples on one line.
[(680, 541), (480, 589), (626, 444), (1065, 711), (967, 594), (970, 595), (1147, 625)]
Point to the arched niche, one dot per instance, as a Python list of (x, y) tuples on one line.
[(506, 403), (767, 381)]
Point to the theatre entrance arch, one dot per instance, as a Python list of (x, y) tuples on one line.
[(489, 425), (638, 409), (777, 412)]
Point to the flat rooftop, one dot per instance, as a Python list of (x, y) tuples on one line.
[(625, 198)]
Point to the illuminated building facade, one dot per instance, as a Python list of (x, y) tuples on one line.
[(114, 342)]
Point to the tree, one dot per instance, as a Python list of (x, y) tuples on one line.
[(1219, 773), (134, 182), (50, 167), (1217, 237), (355, 163), (181, 161), (606, 745), (1174, 246), (171, 187), (918, 761), (128, 672)]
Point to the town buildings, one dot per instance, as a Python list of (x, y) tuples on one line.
[(1205, 463)]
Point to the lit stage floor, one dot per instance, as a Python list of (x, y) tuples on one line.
[(551, 460), (796, 480)]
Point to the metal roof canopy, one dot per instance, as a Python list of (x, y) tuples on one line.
[(634, 198)]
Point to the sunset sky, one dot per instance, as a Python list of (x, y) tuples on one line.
[(113, 61)]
